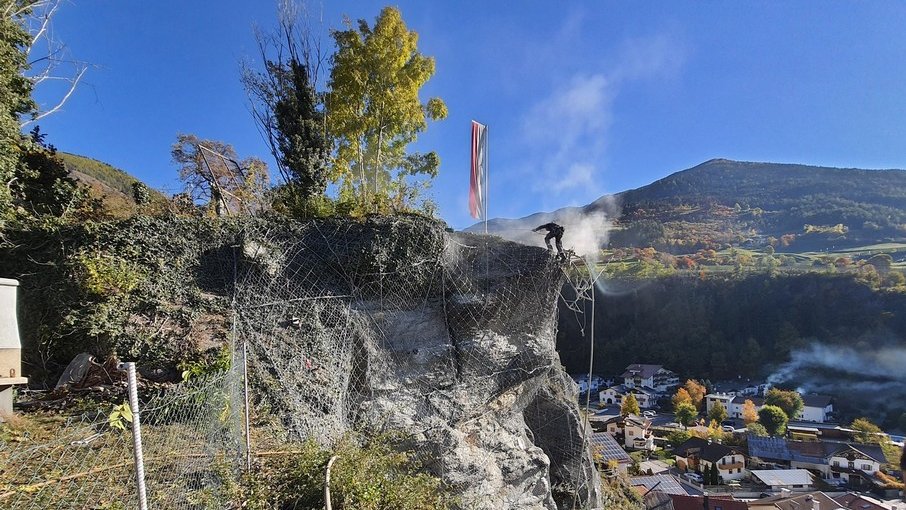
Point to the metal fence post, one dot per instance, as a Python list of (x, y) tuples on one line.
[(137, 438), (245, 381)]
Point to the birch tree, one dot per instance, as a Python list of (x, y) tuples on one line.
[(374, 112)]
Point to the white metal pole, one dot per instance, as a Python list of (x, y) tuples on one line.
[(245, 381), (327, 503), (137, 438), (487, 176)]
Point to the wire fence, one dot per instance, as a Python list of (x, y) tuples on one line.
[(445, 338), (191, 442)]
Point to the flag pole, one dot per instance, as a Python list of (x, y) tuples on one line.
[(487, 177)]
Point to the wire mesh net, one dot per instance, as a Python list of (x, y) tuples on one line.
[(448, 338), (386, 325), (190, 436)]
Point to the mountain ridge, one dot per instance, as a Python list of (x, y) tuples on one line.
[(721, 202)]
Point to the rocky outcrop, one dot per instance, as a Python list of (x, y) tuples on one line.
[(447, 338)]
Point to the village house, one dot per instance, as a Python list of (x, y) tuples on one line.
[(739, 387), (854, 465), (634, 431), (780, 479), (664, 484), (697, 454), (615, 395), (817, 408), (859, 502), (723, 398), (706, 502), (585, 385), (653, 377), (737, 403)]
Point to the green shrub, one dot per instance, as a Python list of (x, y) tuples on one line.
[(369, 474), (107, 275), (192, 369)]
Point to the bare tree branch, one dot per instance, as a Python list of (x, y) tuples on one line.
[(74, 82), (293, 41), (52, 64)]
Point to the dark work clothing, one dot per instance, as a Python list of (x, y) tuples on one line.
[(555, 232), (903, 459)]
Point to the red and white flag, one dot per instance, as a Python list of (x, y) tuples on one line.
[(479, 179)]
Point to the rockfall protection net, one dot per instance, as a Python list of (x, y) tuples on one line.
[(391, 325)]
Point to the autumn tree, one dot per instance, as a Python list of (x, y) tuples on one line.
[(715, 432), (288, 109), (374, 112), (749, 412), (696, 392), (774, 419), (630, 405), (867, 432), (681, 397), (788, 400), (718, 412), (685, 413), (213, 175)]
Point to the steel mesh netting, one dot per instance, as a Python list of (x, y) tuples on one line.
[(396, 327), (190, 435)]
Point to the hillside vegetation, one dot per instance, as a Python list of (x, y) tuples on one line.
[(723, 202), (112, 186)]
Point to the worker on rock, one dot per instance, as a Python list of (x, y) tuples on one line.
[(556, 232)]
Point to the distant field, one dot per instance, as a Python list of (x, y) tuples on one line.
[(789, 262)]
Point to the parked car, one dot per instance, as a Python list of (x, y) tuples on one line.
[(673, 425), (728, 428), (693, 477), (649, 414)]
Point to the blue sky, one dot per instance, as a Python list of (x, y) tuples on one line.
[(581, 98)]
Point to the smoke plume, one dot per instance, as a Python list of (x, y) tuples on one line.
[(867, 378)]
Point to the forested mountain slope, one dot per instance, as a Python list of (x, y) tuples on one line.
[(107, 183), (723, 203)]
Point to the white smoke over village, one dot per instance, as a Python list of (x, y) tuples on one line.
[(865, 372)]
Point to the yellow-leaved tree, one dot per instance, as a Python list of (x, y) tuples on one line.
[(749, 413), (630, 405), (374, 113)]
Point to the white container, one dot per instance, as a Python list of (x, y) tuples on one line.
[(10, 346)]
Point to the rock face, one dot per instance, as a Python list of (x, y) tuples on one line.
[(448, 338)]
